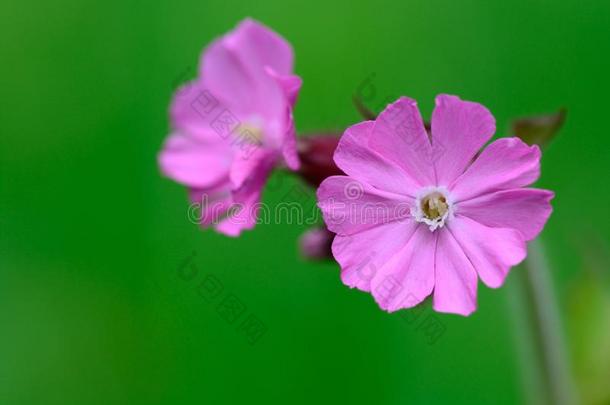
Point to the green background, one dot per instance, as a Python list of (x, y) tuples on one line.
[(92, 310)]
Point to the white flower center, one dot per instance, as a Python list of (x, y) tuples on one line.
[(433, 206)]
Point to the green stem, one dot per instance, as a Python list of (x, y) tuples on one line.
[(546, 374)]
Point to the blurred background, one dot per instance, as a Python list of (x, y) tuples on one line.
[(96, 306)]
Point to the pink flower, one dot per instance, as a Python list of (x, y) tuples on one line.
[(233, 124), (416, 215)]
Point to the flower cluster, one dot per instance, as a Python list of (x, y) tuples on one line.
[(416, 212)]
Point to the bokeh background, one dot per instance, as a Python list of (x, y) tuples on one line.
[(92, 308)]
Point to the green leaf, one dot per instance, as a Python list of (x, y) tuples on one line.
[(539, 129)]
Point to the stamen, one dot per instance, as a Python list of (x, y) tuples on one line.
[(433, 207)]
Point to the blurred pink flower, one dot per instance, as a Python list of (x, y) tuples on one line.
[(421, 215), (315, 243), (233, 124)]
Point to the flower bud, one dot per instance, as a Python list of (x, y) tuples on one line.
[(316, 155), (315, 244)]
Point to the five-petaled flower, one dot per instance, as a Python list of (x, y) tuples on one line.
[(233, 124), (421, 214)]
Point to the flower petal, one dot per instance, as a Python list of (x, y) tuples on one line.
[(193, 109), (225, 76), (258, 45), (289, 83), (289, 148), (358, 160), (400, 136), (492, 251), (244, 212), (459, 130), (247, 162), (455, 285), (506, 163), (193, 162), (213, 203), (362, 254), (525, 210), (408, 278), (234, 69), (349, 206)]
